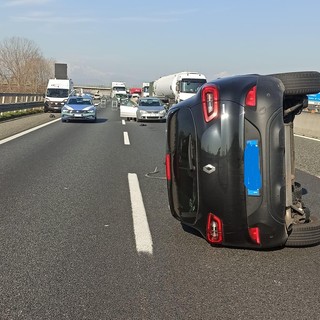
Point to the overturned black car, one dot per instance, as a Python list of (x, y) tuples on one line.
[(230, 161)]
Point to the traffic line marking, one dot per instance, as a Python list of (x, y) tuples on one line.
[(126, 138), (141, 228), (309, 138), (27, 131), (123, 122)]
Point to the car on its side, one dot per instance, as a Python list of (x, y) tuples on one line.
[(230, 161), (79, 108), (151, 108)]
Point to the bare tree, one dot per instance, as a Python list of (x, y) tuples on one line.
[(22, 65)]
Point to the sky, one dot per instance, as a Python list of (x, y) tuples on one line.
[(139, 41)]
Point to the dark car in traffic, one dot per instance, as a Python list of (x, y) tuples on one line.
[(230, 161)]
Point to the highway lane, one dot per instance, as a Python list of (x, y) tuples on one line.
[(67, 238)]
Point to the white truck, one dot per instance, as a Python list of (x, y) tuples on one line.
[(57, 93), (145, 89), (118, 89), (178, 87)]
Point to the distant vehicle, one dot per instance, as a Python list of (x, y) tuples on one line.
[(314, 102), (121, 96), (145, 89), (57, 93), (135, 90), (118, 88), (79, 108), (230, 161), (128, 108), (178, 87), (151, 108), (97, 96)]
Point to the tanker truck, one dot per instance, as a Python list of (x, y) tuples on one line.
[(177, 87)]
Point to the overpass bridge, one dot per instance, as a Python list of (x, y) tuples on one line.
[(102, 90)]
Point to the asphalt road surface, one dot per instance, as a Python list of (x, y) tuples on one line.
[(86, 233)]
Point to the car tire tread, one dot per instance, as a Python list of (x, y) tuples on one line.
[(299, 83), (305, 234)]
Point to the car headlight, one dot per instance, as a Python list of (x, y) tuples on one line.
[(66, 108), (89, 109), (162, 112), (143, 112)]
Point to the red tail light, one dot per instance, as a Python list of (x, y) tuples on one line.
[(210, 102), (251, 97), (254, 234), (214, 229), (168, 167)]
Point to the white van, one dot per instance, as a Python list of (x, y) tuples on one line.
[(58, 91)]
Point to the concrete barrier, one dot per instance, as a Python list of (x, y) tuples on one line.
[(307, 124)]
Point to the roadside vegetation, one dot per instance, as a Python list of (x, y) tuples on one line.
[(9, 115), (23, 68)]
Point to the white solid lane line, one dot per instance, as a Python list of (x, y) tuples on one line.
[(27, 131), (309, 138), (140, 222), (126, 138)]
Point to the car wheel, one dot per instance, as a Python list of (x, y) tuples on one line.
[(305, 234), (299, 83)]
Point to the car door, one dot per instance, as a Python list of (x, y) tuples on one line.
[(128, 111)]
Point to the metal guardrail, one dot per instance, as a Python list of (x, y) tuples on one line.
[(20, 106), (20, 101)]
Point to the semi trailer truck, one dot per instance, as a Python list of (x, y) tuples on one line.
[(145, 89), (177, 87), (118, 88)]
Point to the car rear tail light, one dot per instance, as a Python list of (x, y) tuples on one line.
[(214, 229), (251, 97), (210, 102), (168, 166), (254, 234)]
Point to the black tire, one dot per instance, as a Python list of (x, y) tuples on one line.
[(305, 234), (299, 83)]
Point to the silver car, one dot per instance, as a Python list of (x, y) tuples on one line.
[(151, 108)]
